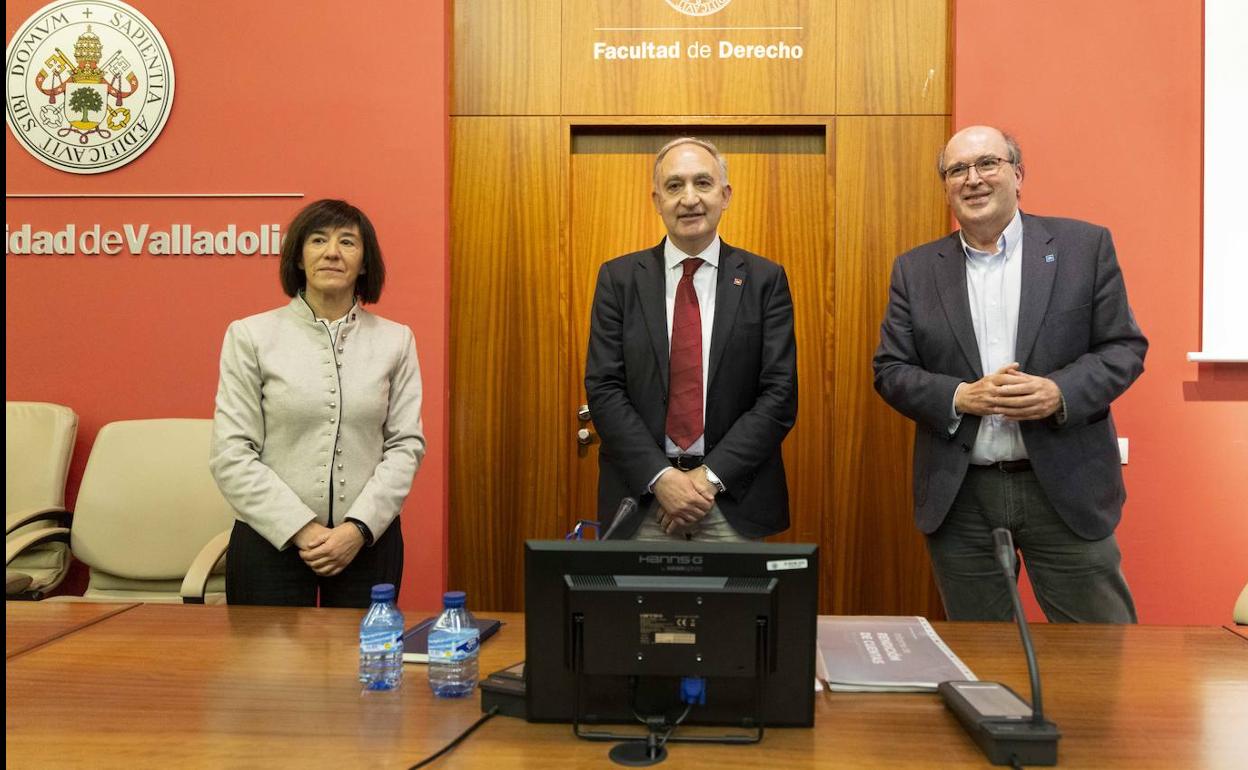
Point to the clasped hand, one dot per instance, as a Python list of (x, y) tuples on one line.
[(328, 551), (1010, 393), (685, 497)]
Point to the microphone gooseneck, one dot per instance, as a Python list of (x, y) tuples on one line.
[(627, 506), (1008, 558)]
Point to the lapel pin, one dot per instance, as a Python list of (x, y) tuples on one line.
[(1050, 257), (738, 281)]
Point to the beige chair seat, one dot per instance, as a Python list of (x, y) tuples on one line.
[(149, 521), (38, 442)]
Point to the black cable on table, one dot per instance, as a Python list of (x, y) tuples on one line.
[(458, 740)]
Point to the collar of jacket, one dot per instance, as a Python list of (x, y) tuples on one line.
[(302, 310)]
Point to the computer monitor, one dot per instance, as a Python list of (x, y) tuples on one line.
[(611, 627)]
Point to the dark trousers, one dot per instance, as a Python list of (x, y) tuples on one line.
[(1075, 580), (258, 573)]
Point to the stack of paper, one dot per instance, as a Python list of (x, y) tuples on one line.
[(866, 653)]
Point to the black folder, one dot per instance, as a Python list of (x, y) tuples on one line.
[(416, 638)]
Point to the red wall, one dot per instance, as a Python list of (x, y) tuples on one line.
[(1105, 98), (326, 98)]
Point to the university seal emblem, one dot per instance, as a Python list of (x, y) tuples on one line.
[(699, 7), (89, 85)]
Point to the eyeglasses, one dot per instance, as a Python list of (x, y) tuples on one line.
[(985, 167)]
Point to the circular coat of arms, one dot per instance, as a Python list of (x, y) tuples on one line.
[(699, 7), (88, 85)]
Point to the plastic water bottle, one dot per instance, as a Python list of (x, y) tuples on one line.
[(453, 643), (381, 642)]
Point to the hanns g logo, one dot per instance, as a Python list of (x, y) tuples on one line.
[(667, 560), (89, 85), (699, 7)]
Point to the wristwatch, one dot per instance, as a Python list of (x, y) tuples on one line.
[(364, 530), (714, 480)]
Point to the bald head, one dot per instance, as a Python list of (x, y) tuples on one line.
[(1013, 152)]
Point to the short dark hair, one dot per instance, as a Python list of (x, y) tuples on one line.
[(329, 215)]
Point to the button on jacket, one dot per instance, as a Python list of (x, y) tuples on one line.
[(307, 424)]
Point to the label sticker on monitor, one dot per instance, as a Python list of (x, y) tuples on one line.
[(773, 566), (657, 628)]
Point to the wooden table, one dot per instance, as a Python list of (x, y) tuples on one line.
[(210, 686), (28, 625)]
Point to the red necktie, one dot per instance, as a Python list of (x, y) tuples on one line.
[(684, 393)]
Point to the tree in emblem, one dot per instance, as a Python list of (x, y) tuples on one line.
[(85, 100)]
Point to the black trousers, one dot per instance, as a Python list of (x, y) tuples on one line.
[(258, 573)]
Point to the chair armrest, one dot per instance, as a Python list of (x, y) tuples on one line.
[(16, 582), (19, 519), (195, 584), (20, 543)]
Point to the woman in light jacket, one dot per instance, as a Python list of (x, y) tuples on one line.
[(317, 432)]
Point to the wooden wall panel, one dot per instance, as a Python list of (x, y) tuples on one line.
[(695, 86), (506, 57), (890, 200), (892, 57), (780, 210), (508, 352)]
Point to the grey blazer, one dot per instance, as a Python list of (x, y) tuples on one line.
[(1074, 327), (303, 423)]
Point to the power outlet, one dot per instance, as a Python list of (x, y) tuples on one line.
[(1123, 449)]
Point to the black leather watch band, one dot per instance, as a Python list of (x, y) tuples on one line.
[(364, 530)]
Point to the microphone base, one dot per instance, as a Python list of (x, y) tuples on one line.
[(1005, 738)]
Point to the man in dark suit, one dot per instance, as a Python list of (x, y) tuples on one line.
[(1006, 342), (692, 369)]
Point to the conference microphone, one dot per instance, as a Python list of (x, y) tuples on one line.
[(628, 506), (1008, 730)]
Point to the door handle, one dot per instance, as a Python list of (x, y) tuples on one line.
[(584, 437)]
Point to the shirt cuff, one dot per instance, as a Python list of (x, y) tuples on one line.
[(955, 418), (1059, 417), (655, 480), (715, 482)]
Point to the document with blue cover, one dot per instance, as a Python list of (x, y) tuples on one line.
[(875, 653)]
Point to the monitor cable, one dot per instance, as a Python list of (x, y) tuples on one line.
[(487, 716)]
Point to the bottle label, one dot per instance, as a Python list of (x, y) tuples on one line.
[(453, 648), (381, 641)]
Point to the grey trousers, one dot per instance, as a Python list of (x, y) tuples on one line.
[(1075, 580)]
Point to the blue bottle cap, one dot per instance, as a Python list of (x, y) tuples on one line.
[(383, 592), (453, 599)]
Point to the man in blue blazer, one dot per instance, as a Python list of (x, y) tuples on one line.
[(691, 371), (1006, 342)]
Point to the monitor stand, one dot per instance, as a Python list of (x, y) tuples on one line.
[(632, 751)]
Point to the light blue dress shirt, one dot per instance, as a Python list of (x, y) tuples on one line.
[(993, 286)]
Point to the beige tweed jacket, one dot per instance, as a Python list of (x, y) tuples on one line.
[(309, 427)]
